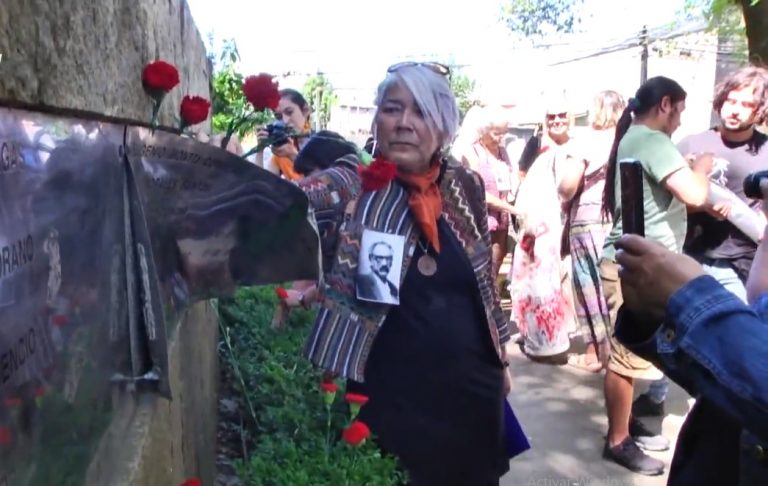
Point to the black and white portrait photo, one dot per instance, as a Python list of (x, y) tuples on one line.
[(380, 264)]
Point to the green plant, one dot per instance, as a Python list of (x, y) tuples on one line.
[(229, 103), (287, 432), (319, 87)]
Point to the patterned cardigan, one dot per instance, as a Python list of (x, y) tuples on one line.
[(345, 328)]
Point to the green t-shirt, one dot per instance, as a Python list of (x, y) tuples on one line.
[(665, 216)]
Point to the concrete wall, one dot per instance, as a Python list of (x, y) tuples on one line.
[(88, 56), (153, 441)]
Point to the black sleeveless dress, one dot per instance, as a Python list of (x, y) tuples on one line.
[(434, 380)]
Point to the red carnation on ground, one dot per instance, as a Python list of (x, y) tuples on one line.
[(329, 387), (281, 293), (194, 110), (192, 482), (377, 175), (262, 92), (159, 77), (356, 433), (356, 398)]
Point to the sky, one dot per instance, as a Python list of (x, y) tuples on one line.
[(353, 41)]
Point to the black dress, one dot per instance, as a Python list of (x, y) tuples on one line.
[(434, 380)]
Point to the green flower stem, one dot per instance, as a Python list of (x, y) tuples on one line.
[(328, 432)]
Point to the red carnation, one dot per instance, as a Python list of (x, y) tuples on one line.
[(262, 92), (194, 110), (12, 402), (329, 387), (528, 243), (59, 320), (377, 175), (159, 77), (356, 433), (6, 436), (356, 398), (192, 482), (282, 294)]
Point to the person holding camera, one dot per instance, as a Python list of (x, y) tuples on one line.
[(291, 132), (643, 133), (712, 344)]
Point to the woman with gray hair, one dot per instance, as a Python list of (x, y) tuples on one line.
[(433, 363)]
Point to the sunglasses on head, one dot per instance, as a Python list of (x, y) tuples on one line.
[(435, 67)]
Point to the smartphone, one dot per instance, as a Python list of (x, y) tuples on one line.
[(632, 210)]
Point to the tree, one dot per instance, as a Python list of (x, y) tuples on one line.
[(318, 86), (463, 88), (228, 100), (538, 17), (533, 18)]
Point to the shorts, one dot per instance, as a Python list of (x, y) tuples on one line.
[(622, 361)]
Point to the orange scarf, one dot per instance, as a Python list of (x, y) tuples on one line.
[(286, 168), (425, 201)]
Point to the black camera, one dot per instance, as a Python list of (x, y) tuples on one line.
[(279, 133), (754, 183)]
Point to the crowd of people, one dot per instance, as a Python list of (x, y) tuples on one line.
[(432, 356)]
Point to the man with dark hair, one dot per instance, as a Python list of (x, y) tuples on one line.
[(376, 286), (738, 149)]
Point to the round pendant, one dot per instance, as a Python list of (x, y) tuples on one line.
[(427, 265)]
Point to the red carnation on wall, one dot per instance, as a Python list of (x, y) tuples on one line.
[(356, 433), (194, 110), (377, 175), (262, 92), (159, 77)]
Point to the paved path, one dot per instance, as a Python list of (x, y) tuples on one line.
[(562, 412)]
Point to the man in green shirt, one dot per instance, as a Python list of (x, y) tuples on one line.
[(670, 183)]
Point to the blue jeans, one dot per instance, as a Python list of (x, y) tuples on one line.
[(724, 273)]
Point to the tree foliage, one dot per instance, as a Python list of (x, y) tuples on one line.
[(463, 89), (228, 101), (533, 18), (319, 84)]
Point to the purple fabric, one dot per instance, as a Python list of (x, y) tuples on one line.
[(515, 438)]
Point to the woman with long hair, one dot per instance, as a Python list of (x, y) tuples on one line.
[(294, 112), (670, 183), (581, 188)]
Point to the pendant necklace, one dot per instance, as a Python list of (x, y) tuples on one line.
[(426, 263)]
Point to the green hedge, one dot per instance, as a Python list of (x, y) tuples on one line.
[(293, 444)]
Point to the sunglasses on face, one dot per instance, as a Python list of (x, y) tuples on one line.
[(435, 67), (555, 116)]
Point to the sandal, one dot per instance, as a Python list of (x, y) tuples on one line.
[(579, 361)]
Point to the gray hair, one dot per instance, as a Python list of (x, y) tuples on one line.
[(433, 95)]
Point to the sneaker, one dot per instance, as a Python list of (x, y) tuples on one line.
[(643, 406), (629, 455), (646, 439)]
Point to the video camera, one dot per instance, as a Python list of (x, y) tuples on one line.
[(279, 133), (755, 184)]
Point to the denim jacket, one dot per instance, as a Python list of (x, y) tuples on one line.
[(715, 347)]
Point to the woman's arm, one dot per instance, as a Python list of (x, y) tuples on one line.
[(757, 283)]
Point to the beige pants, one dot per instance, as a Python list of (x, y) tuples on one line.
[(622, 361)]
